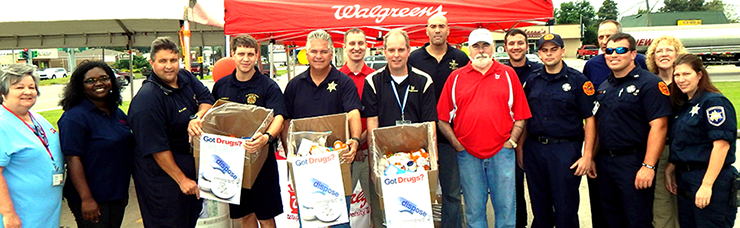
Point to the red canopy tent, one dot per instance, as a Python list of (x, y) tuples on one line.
[(289, 22)]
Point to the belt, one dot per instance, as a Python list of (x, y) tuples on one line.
[(621, 152), (692, 166), (549, 140)]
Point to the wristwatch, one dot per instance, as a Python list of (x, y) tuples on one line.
[(270, 139), (194, 116), (513, 144), (356, 139)]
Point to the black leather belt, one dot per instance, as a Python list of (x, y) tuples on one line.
[(692, 166), (550, 140), (621, 152)]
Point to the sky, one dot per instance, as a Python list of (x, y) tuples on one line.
[(630, 7)]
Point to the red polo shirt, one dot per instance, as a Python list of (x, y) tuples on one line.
[(359, 80), (487, 106)]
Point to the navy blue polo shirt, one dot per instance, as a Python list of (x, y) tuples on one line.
[(439, 70), (700, 121), (379, 100), (626, 107), (336, 94), (559, 103), (259, 90), (105, 146), (597, 71), (523, 72)]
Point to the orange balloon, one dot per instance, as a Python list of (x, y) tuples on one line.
[(223, 67)]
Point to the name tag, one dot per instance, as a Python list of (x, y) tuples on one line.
[(402, 122), (57, 179)]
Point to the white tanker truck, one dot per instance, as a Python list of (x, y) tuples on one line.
[(715, 44)]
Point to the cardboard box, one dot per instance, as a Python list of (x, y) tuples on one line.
[(337, 124), (240, 120), (404, 138)]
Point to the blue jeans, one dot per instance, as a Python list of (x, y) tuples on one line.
[(449, 179), (478, 176)]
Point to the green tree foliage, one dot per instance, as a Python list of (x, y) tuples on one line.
[(608, 10), (576, 11), (700, 5), (139, 63)]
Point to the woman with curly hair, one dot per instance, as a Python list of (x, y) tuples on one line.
[(660, 56), (98, 146)]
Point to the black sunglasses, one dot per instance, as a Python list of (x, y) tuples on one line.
[(619, 50)]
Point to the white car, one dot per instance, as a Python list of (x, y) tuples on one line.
[(52, 73)]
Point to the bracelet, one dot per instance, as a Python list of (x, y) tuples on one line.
[(513, 144), (649, 166), (356, 139)]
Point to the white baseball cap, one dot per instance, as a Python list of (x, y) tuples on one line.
[(479, 35)]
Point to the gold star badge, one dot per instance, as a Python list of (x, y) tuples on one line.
[(331, 86), (453, 65), (694, 110)]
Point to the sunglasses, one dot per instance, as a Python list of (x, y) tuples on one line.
[(91, 81), (619, 50)]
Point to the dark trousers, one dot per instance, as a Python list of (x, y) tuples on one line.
[(111, 214), (449, 179), (622, 204), (719, 213), (597, 214), (521, 203), (553, 189)]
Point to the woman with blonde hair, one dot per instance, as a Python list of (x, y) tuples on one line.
[(660, 56)]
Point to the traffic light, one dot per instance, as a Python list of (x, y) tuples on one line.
[(24, 53)]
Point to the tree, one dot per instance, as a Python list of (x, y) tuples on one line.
[(139, 63), (576, 13), (682, 5), (608, 10)]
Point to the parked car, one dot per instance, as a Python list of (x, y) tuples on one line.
[(533, 58), (124, 78), (501, 57), (52, 73), (195, 68), (376, 61), (587, 51), (266, 70)]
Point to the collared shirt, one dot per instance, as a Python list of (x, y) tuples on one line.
[(105, 146), (159, 114), (336, 94), (380, 100), (259, 90), (487, 106), (523, 72), (28, 169), (439, 70), (626, 107), (359, 80), (597, 71), (559, 103), (700, 121)]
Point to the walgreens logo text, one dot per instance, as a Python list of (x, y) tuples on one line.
[(380, 13)]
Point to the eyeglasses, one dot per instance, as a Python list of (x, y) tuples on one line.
[(619, 50), (91, 81)]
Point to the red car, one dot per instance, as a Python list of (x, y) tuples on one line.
[(587, 51)]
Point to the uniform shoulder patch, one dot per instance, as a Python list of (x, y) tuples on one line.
[(716, 115), (588, 88), (664, 88)]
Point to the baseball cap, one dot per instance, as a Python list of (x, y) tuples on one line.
[(479, 35), (550, 37)]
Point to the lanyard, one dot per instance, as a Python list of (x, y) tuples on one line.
[(405, 98), (39, 132)]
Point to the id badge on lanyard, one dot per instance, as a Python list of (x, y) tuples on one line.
[(402, 106)]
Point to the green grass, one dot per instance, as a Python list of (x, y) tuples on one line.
[(54, 115), (731, 90), (56, 81)]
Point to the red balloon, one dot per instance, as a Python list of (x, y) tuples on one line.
[(223, 67)]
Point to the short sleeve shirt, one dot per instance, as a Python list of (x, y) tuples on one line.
[(105, 146), (523, 72), (260, 90), (559, 103), (626, 107), (27, 169), (597, 71), (485, 107), (359, 80), (380, 100), (699, 122), (336, 94)]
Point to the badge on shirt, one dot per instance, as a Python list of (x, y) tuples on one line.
[(413, 89), (453, 64), (331, 86), (596, 107), (664, 88), (566, 87), (694, 110), (252, 98), (716, 115), (402, 122), (631, 89), (588, 88)]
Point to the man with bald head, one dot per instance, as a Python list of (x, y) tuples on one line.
[(438, 59)]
